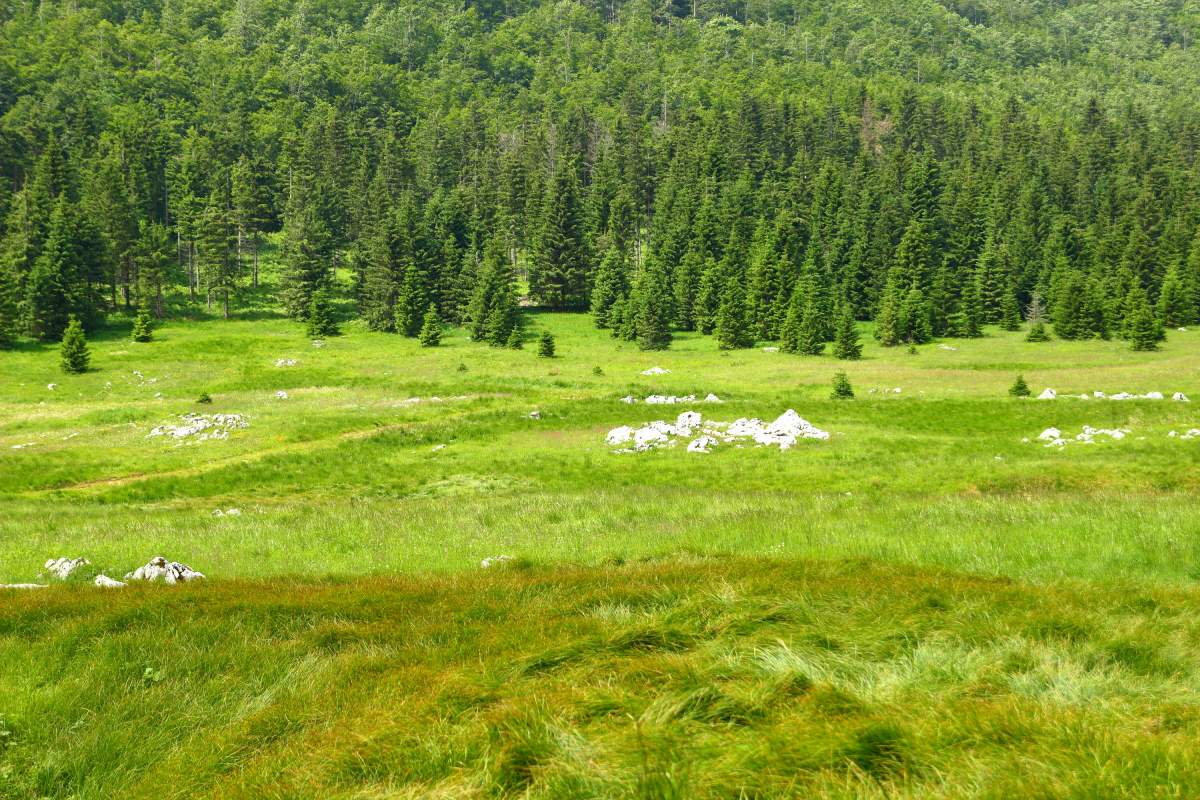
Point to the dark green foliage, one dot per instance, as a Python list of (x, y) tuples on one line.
[(560, 266), (649, 310), (321, 321), (143, 323), (546, 345), (431, 328), (204, 399), (74, 351), (905, 185), (1038, 333), (1142, 328), (841, 387), (1019, 388), (516, 339), (846, 345), (733, 328)]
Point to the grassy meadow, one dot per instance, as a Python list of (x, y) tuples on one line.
[(925, 605)]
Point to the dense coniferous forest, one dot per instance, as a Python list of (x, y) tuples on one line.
[(752, 169)]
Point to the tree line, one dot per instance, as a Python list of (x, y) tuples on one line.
[(781, 211)]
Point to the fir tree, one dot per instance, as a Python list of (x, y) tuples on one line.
[(75, 355), (1019, 387), (143, 323), (915, 325), (611, 285), (841, 387), (320, 320), (431, 328), (546, 345), (846, 345)]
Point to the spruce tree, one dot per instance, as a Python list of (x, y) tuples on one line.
[(412, 300), (888, 329), (1010, 311), (516, 339), (75, 355), (733, 318), (143, 323), (1019, 388), (431, 328), (841, 387), (321, 321), (846, 345), (915, 325), (1142, 329), (1038, 333), (649, 308), (559, 269), (546, 345), (811, 340), (611, 284), (1174, 305)]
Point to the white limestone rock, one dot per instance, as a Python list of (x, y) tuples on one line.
[(62, 568), (1047, 394), (656, 371), (105, 582), (169, 572)]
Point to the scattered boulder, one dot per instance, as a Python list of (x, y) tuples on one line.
[(229, 512), (535, 415), (494, 561), (281, 395), (701, 444), (105, 582), (51, 387), (628, 399), (782, 433), (619, 435), (770, 349), (22, 586), (1153, 396), (1047, 394), (62, 568), (1049, 435), (160, 569), (1180, 397), (712, 398), (656, 371)]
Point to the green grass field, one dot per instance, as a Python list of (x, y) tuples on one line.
[(922, 606)]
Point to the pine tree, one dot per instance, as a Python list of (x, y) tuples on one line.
[(1019, 387), (888, 328), (75, 355), (811, 340), (841, 387), (1038, 333), (431, 328), (516, 339), (733, 319), (1142, 329), (143, 323), (320, 320), (649, 307), (546, 345), (559, 269), (1010, 311), (1174, 306), (846, 345), (611, 284), (412, 300)]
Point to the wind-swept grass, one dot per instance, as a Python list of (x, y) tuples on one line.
[(680, 678)]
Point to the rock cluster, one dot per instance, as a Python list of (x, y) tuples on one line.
[(782, 433), (169, 572), (1178, 397), (203, 426), (670, 399), (656, 371), (1053, 437)]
